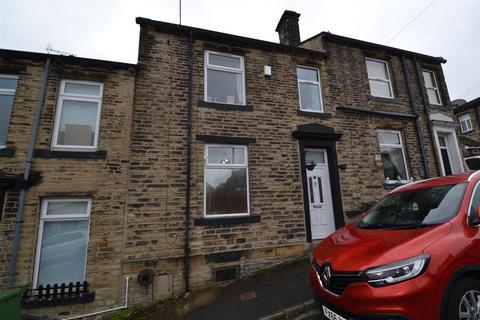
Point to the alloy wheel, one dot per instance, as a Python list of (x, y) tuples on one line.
[(469, 308)]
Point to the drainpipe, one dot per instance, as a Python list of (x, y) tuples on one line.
[(417, 120), (186, 246), (427, 113), (26, 173)]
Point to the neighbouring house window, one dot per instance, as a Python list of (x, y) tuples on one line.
[(309, 89), (465, 123), (226, 180), (379, 78), (8, 86), (224, 78), (62, 241), (78, 115), (432, 87), (393, 155)]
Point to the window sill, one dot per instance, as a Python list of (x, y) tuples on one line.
[(314, 114), (224, 106), (390, 185), (227, 220), (99, 154), (7, 152), (385, 99)]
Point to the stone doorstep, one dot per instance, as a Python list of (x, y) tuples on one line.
[(290, 311)]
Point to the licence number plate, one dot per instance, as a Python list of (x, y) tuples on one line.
[(331, 315)]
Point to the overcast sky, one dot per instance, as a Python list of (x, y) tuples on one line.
[(106, 29)]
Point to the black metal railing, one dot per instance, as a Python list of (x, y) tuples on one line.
[(57, 295)]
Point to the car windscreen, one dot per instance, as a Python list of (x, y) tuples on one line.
[(415, 208)]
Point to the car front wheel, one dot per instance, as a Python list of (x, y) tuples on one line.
[(464, 300)]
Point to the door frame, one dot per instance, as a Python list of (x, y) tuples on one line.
[(452, 147), (316, 136)]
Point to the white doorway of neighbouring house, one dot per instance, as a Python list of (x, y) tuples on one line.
[(448, 151), (322, 222)]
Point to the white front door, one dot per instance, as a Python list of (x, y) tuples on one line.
[(448, 151), (322, 222)]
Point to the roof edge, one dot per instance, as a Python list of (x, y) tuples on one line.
[(73, 59), (361, 43), (466, 105), (215, 36)]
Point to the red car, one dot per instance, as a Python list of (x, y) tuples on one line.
[(415, 255)]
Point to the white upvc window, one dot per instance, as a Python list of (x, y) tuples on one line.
[(62, 241), (8, 87), (224, 78), (432, 87), (226, 187), (393, 155), (379, 78), (309, 89), (77, 119), (465, 123)]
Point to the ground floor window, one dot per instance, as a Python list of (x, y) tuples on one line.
[(62, 241), (226, 180), (393, 155)]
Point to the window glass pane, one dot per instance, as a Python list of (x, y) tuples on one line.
[(67, 207), (393, 163), (8, 83), (83, 89), (6, 102), (307, 74), (463, 126), (310, 96), (433, 96), (226, 155), (78, 123), (441, 141), (380, 88), (427, 76), (63, 252), (226, 191), (224, 61), (224, 87), (389, 138), (316, 157), (377, 70)]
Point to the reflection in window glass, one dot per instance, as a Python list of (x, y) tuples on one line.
[(224, 78), (391, 149), (309, 89), (226, 180)]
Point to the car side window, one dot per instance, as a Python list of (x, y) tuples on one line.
[(475, 200)]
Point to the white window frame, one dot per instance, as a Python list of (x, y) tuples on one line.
[(401, 145), (389, 80), (435, 88), (61, 217), (241, 71), (8, 92), (225, 166), (468, 122), (310, 82), (76, 97)]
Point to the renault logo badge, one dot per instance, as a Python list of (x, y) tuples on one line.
[(326, 275)]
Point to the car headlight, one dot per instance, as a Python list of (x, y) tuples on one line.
[(397, 271)]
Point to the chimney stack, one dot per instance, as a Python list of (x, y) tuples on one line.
[(287, 28)]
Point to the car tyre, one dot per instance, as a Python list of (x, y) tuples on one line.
[(464, 300)]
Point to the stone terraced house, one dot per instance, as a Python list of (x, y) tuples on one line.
[(213, 157), (468, 116)]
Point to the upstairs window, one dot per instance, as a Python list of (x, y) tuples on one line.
[(393, 155), (379, 78), (8, 86), (62, 241), (432, 87), (224, 78), (465, 123), (226, 181), (309, 89), (78, 115)]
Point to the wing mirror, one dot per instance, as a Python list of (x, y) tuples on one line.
[(474, 219)]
